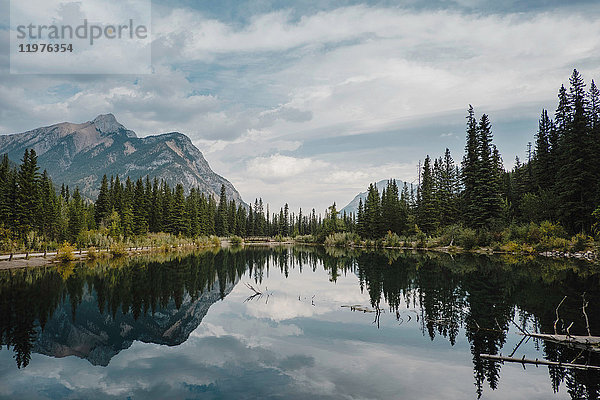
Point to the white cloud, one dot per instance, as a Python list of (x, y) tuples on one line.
[(250, 95), (276, 167)]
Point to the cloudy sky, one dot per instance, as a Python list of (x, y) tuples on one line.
[(307, 102)]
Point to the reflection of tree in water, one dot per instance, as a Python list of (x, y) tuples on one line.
[(490, 311), (482, 294), (27, 299), (476, 293), (140, 286)]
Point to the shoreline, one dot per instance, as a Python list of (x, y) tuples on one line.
[(39, 259), (33, 260)]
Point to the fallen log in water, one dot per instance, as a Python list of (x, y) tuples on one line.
[(588, 342), (538, 362)]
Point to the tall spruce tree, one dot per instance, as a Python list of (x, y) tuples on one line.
[(103, 205), (426, 208), (470, 171), (372, 212), (489, 190), (221, 219), (577, 190), (27, 204)]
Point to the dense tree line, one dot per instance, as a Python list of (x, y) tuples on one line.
[(446, 194), (30, 206), (559, 182)]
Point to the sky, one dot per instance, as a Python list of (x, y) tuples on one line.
[(307, 102)]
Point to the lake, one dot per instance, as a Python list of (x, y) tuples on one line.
[(296, 322)]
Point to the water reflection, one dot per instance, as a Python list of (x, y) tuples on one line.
[(96, 311)]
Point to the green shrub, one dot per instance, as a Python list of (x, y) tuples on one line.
[(421, 238), (236, 240), (341, 239), (511, 247), (92, 253), (467, 238), (118, 250), (65, 253), (305, 239), (550, 230), (581, 242), (484, 237), (215, 241), (392, 240)]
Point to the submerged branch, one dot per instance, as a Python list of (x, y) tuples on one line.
[(537, 362)]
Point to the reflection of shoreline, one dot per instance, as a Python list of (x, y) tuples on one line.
[(33, 260), (95, 310)]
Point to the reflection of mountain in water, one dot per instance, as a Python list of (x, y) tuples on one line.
[(98, 337), (96, 312)]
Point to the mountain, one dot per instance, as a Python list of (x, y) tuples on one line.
[(98, 337), (80, 154), (352, 207)]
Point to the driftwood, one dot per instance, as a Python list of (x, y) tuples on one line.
[(257, 294), (537, 362), (587, 342), (358, 307)]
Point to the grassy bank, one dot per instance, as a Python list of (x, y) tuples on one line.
[(545, 239)]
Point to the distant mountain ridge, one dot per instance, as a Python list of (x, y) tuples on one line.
[(80, 154), (352, 207)]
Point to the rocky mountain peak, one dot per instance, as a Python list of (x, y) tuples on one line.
[(108, 124), (79, 154)]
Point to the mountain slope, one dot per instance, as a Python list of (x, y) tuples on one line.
[(80, 154), (352, 207)]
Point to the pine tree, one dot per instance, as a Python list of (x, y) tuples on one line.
[(50, 208), (577, 187), (562, 117), (192, 210), (27, 195), (117, 195), (447, 190), (127, 222), (489, 190), (102, 206), (372, 211), (178, 219), (426, 210), (594, 125), (360, 219), (76, 216), (156, 214), (140, 209), (470, 170), (544, 165), (6, 180), (286, 220), (221, 220)]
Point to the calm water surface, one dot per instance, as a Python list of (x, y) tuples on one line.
[(328, 324)]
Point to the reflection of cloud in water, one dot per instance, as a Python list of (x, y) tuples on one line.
[(281, 349), (283, 302)]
